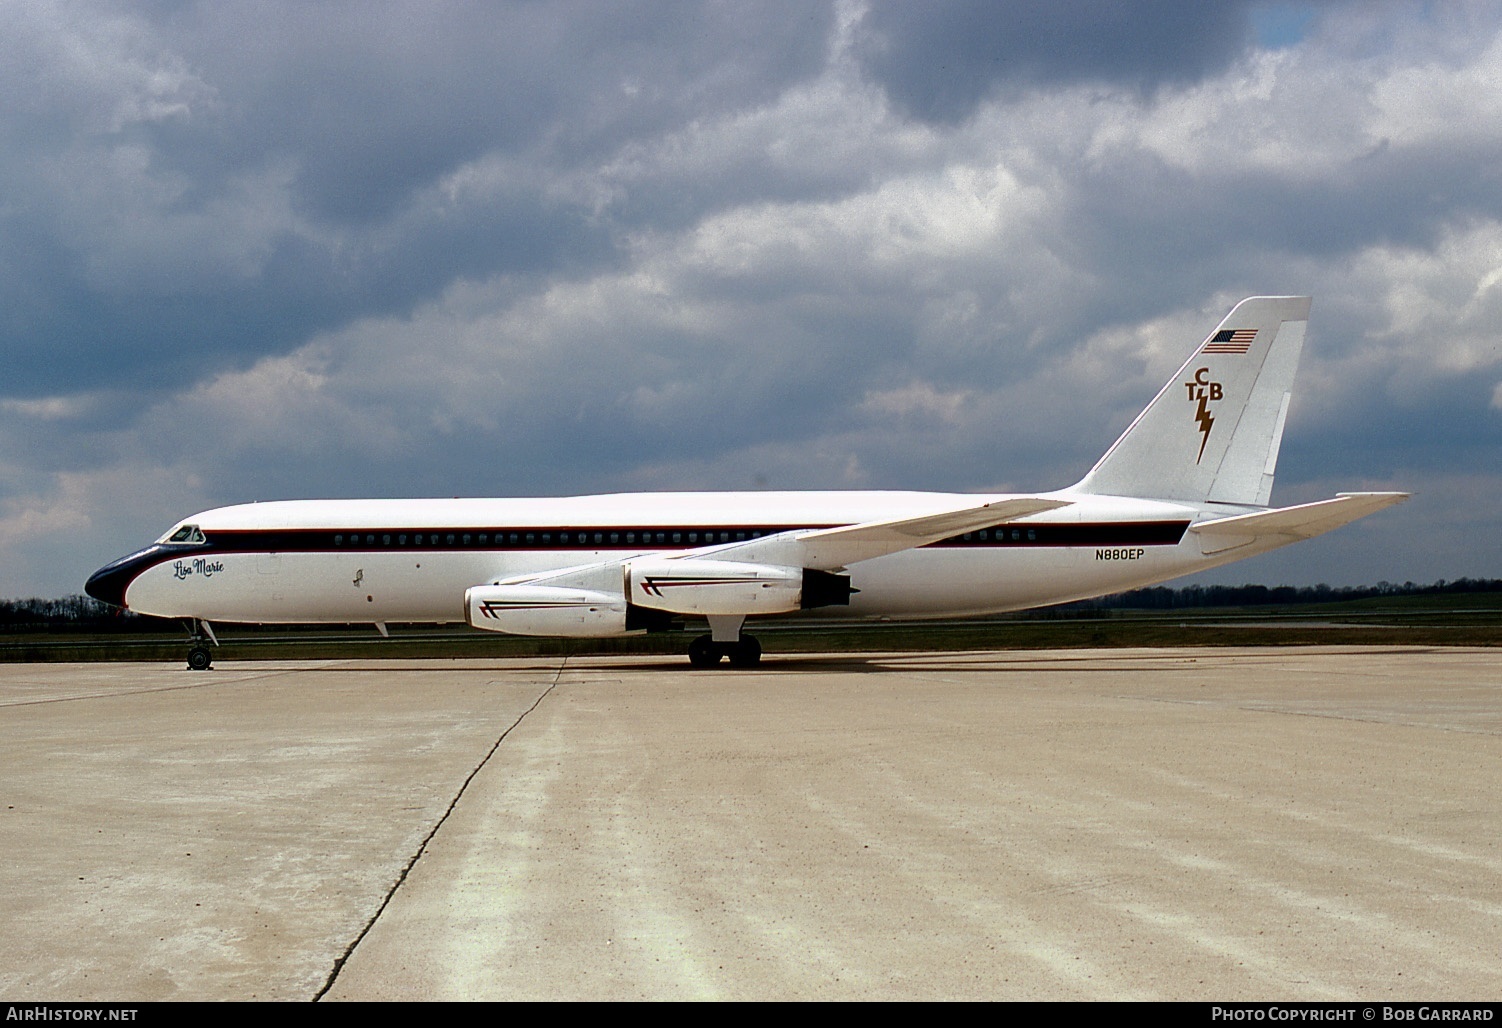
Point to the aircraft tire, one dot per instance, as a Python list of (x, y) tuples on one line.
[(199, 659), (747, 653), (702, 652)]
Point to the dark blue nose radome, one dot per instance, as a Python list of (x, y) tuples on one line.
[(110, 582)]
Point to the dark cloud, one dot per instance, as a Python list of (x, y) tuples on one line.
[(1145, 212), (214, 182), (939, 59), (376, 101)]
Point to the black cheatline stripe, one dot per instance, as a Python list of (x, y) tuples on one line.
[(303, 540), (380, 540), (1104, 533)]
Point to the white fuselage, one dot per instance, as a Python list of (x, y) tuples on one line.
[(346, 561)]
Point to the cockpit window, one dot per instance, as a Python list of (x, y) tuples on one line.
[(186, 534)]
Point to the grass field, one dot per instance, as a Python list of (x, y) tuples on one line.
[(1471, 619)]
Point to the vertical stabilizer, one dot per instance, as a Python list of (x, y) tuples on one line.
[(1213, 431)]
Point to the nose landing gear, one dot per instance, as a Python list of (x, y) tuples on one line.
[(200, 635)]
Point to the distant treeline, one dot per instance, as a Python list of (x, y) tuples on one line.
[(74, 613), (1164, 598), (83, 613)]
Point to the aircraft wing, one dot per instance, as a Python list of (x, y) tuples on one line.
[(825, 549), (829, 549), (1304, 521)]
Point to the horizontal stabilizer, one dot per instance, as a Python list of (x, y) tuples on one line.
[(831, 548), (1304, 521)]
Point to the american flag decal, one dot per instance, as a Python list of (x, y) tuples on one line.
[(1230, 340)]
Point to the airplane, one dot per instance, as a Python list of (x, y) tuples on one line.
[(1185, 488)]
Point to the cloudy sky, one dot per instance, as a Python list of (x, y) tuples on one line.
[(258, 250)]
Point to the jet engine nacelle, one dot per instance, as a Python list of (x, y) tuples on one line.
[(545, 610), (707, 587)]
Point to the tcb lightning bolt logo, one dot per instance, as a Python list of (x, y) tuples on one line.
[(1204, 391)]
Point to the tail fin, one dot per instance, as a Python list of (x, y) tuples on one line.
[(1213, 431)]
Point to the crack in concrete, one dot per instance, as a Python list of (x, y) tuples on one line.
[(423, 846)]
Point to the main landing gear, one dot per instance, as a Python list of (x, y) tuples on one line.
[(743, 652), (200, 635), (725, 640)]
